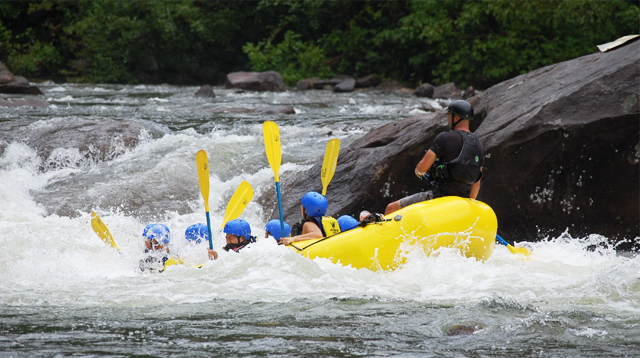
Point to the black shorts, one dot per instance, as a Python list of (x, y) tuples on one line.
[(416, 198)]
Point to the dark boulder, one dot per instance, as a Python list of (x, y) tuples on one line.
[(448, 90), (205, 91), (368, 81), (11, 84), (256, 81), (424, 90), (561, 148), (347, 85)]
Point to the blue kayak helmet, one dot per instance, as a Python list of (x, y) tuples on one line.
[(315, 204), (347, 222), (238, 227), (197, 232), (273, 227), (145, 232), (158, 232)]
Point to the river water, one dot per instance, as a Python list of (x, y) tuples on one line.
[(63, 292)]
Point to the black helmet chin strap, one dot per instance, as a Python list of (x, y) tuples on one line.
[(453, 122)]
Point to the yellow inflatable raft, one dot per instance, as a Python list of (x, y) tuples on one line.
[(464, 224)]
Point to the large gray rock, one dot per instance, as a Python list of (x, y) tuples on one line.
[(94, 140), (562, 151), (11, 84), (348, 85), (256, 81)]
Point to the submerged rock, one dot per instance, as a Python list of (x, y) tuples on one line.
[(205, 91), (74, 143), (19, 102), (280, 109), (561, 148), (256, 81)]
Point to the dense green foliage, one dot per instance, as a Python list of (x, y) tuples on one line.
[(476, 42)]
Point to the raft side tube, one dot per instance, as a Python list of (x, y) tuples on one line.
[(465, 224)]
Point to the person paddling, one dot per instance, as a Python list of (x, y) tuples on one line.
[(314, 224), (453, 163), (273, 229), (197, 233), (238, 237)]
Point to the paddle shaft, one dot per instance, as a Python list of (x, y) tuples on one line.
[(280, 209), (274, 156), (209, 228), (501, 240)]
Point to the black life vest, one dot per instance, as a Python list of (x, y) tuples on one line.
[(456, 177), (240, 246)]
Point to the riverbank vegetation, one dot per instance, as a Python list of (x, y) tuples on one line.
[(479, 42)]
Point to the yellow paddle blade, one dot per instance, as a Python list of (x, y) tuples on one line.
[(203, 176), (101, 230), (238, 202), (272, 146), (172, 261), (519, 250), (329, 164)]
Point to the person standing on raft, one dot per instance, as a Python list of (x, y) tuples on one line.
[(453, 163), (314, 224)]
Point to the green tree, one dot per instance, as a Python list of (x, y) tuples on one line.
[(485, 42)]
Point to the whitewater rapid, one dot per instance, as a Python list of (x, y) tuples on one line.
[(52, 258)]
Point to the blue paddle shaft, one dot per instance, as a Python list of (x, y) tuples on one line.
[(280, 208), (209, 228), (501, 240)]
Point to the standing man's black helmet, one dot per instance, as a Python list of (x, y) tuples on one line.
[(461, 108)]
